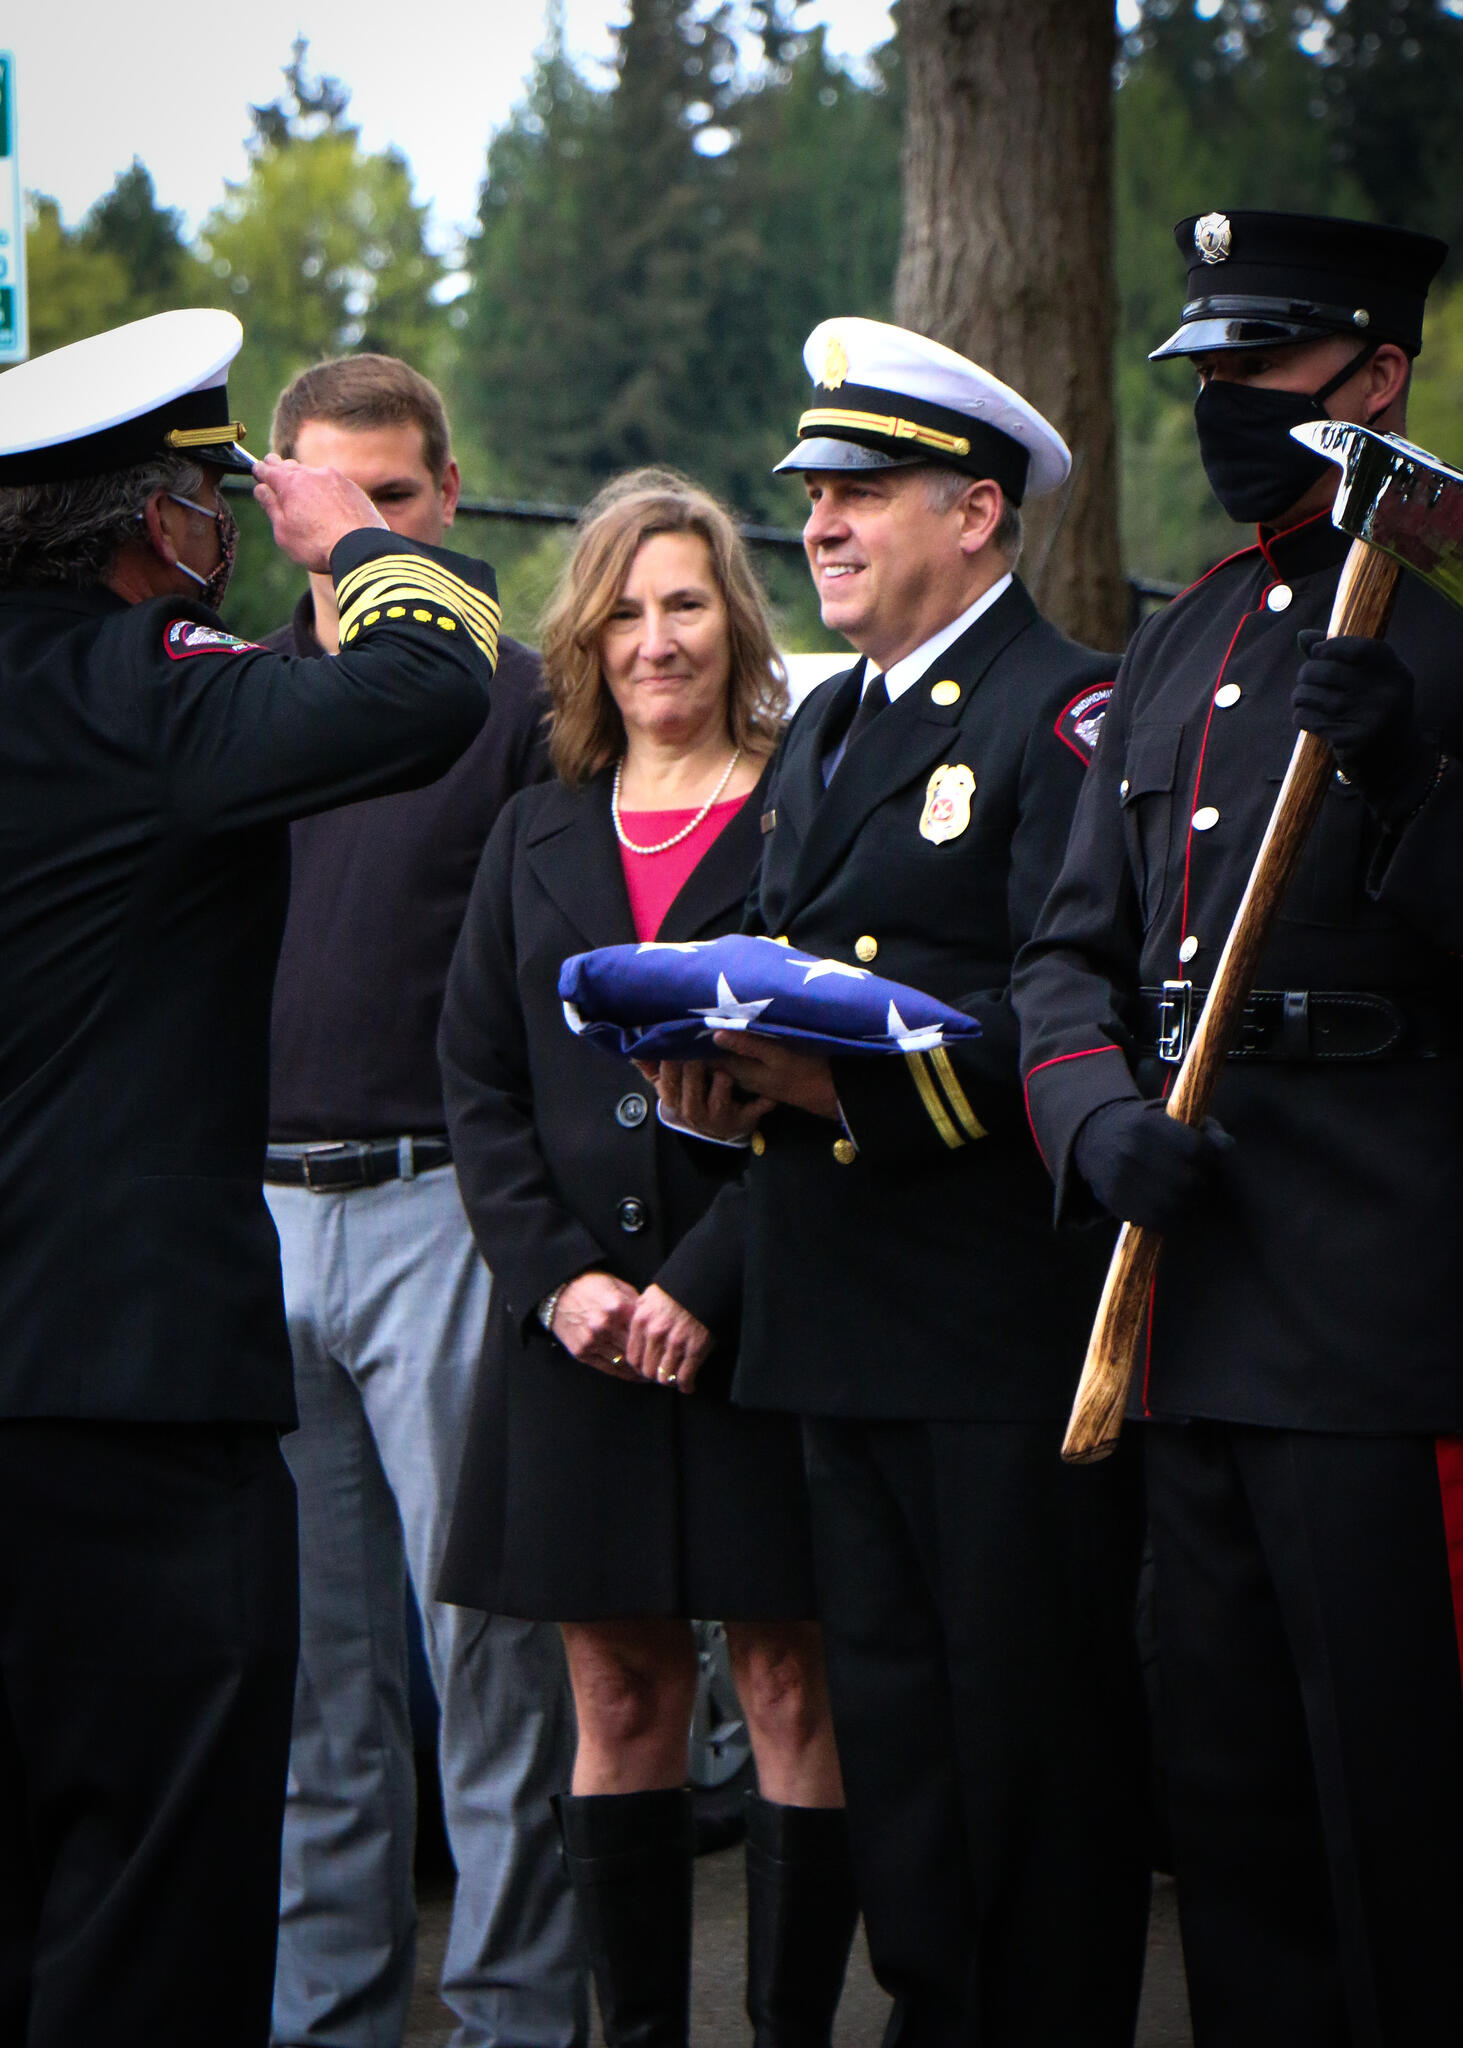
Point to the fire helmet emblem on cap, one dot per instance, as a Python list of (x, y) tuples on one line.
[(1212, 236), (835, 363)]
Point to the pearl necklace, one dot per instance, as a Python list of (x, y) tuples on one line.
[(686, 830)]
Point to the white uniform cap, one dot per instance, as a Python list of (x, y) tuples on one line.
[(885, 397), (154, 386)]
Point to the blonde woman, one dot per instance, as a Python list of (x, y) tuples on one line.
[(608, 1484)]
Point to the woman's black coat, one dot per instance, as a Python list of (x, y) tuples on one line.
[(581, 1495)]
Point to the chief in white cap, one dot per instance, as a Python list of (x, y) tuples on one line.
[(150, 764), (905, 1292)]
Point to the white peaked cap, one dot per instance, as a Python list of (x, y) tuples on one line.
[(152, 386), (886, 393)]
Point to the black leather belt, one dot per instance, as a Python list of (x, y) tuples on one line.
[(1305, 1024), (327, 1169)]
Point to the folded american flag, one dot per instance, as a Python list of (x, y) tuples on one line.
[(663, 1001)]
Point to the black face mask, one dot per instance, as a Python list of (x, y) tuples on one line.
[(1255, 470)]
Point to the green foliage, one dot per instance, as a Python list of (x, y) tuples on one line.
[(321, 248), (651, 254), (650, 258)]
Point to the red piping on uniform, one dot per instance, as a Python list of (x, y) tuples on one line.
[(1055, 1061), (1264, 547), (1450, 1484)]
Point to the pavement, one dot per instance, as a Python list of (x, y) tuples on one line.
[(717, 2019)]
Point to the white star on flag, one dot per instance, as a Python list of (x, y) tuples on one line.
[(923, 1040), (729, 1014), (834, 967), (573, 1019)]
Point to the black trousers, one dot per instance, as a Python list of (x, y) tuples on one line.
[(977, 1605), (1312, 1719), (148, 1622)]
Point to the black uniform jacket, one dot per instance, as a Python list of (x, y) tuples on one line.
[(562, 1161), (1314, 1287), (915, 1272), (148, 768)]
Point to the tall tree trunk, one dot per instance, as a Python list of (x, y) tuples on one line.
[(1007, 251)]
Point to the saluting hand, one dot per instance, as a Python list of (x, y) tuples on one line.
[(310, 509), (666, 1343), (592, 1322)]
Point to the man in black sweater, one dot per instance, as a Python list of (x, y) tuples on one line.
[(387, 1299)]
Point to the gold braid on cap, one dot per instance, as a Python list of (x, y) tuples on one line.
[(888, 424)]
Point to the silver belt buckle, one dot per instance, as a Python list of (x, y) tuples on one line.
[(1175, 1014), (321, 1152)]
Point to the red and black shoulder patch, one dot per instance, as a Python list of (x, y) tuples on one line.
[(1079, 722), (189, 636)]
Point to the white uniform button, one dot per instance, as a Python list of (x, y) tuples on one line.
[(1188, 949), (1123, 787), (1206, 819), (1280, 597), (1227, 694)]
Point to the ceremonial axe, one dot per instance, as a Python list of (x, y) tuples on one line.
[(1403, 508)]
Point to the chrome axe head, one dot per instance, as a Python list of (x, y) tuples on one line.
[(1397, 498)]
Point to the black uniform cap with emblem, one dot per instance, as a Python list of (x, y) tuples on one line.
[(154, 387), (886, 398), (1256, 279)]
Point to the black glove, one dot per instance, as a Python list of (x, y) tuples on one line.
[(1144, 1165), (1357, 696)]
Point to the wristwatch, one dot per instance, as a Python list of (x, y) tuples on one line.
[(548, 1305)]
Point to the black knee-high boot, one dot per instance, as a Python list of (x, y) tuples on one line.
[(629, 1857), (802, 1909)]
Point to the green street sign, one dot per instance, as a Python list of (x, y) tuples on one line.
[(14, 337)]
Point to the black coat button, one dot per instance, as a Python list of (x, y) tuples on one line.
[(630, 1111), (631, 1213)]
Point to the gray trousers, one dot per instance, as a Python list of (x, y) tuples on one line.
[(387, 1299)]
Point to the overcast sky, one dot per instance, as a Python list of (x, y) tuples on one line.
[(172, 84)]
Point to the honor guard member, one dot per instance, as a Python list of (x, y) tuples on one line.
[(906, 1293), (1301, 1375), (387, 1300), (150, 762)]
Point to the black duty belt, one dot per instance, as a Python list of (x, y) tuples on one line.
[(1305, 1024), (327, 1169)]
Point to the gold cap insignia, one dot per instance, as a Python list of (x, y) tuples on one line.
[(947, 803), (835, 363), (1212, 236)]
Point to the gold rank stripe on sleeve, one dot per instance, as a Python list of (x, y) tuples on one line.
[(929, 1095), (955, 1095), (401, 586), (896, 429)]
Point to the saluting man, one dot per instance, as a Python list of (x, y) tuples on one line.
[(1302, 1373), (905, 1291), (150, 763)]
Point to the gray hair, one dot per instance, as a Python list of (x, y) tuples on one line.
[(944, 489), (69, 533)]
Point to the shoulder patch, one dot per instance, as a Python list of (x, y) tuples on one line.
[(1079, 722), (189, 636)]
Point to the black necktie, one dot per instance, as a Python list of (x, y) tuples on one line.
[(874, 700)]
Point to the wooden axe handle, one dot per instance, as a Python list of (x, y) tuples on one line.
[(1363, 606)]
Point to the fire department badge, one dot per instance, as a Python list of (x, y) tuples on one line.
[(835, 363), (1212, 236), (190, 636), (1079, 723), (947, 804)]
